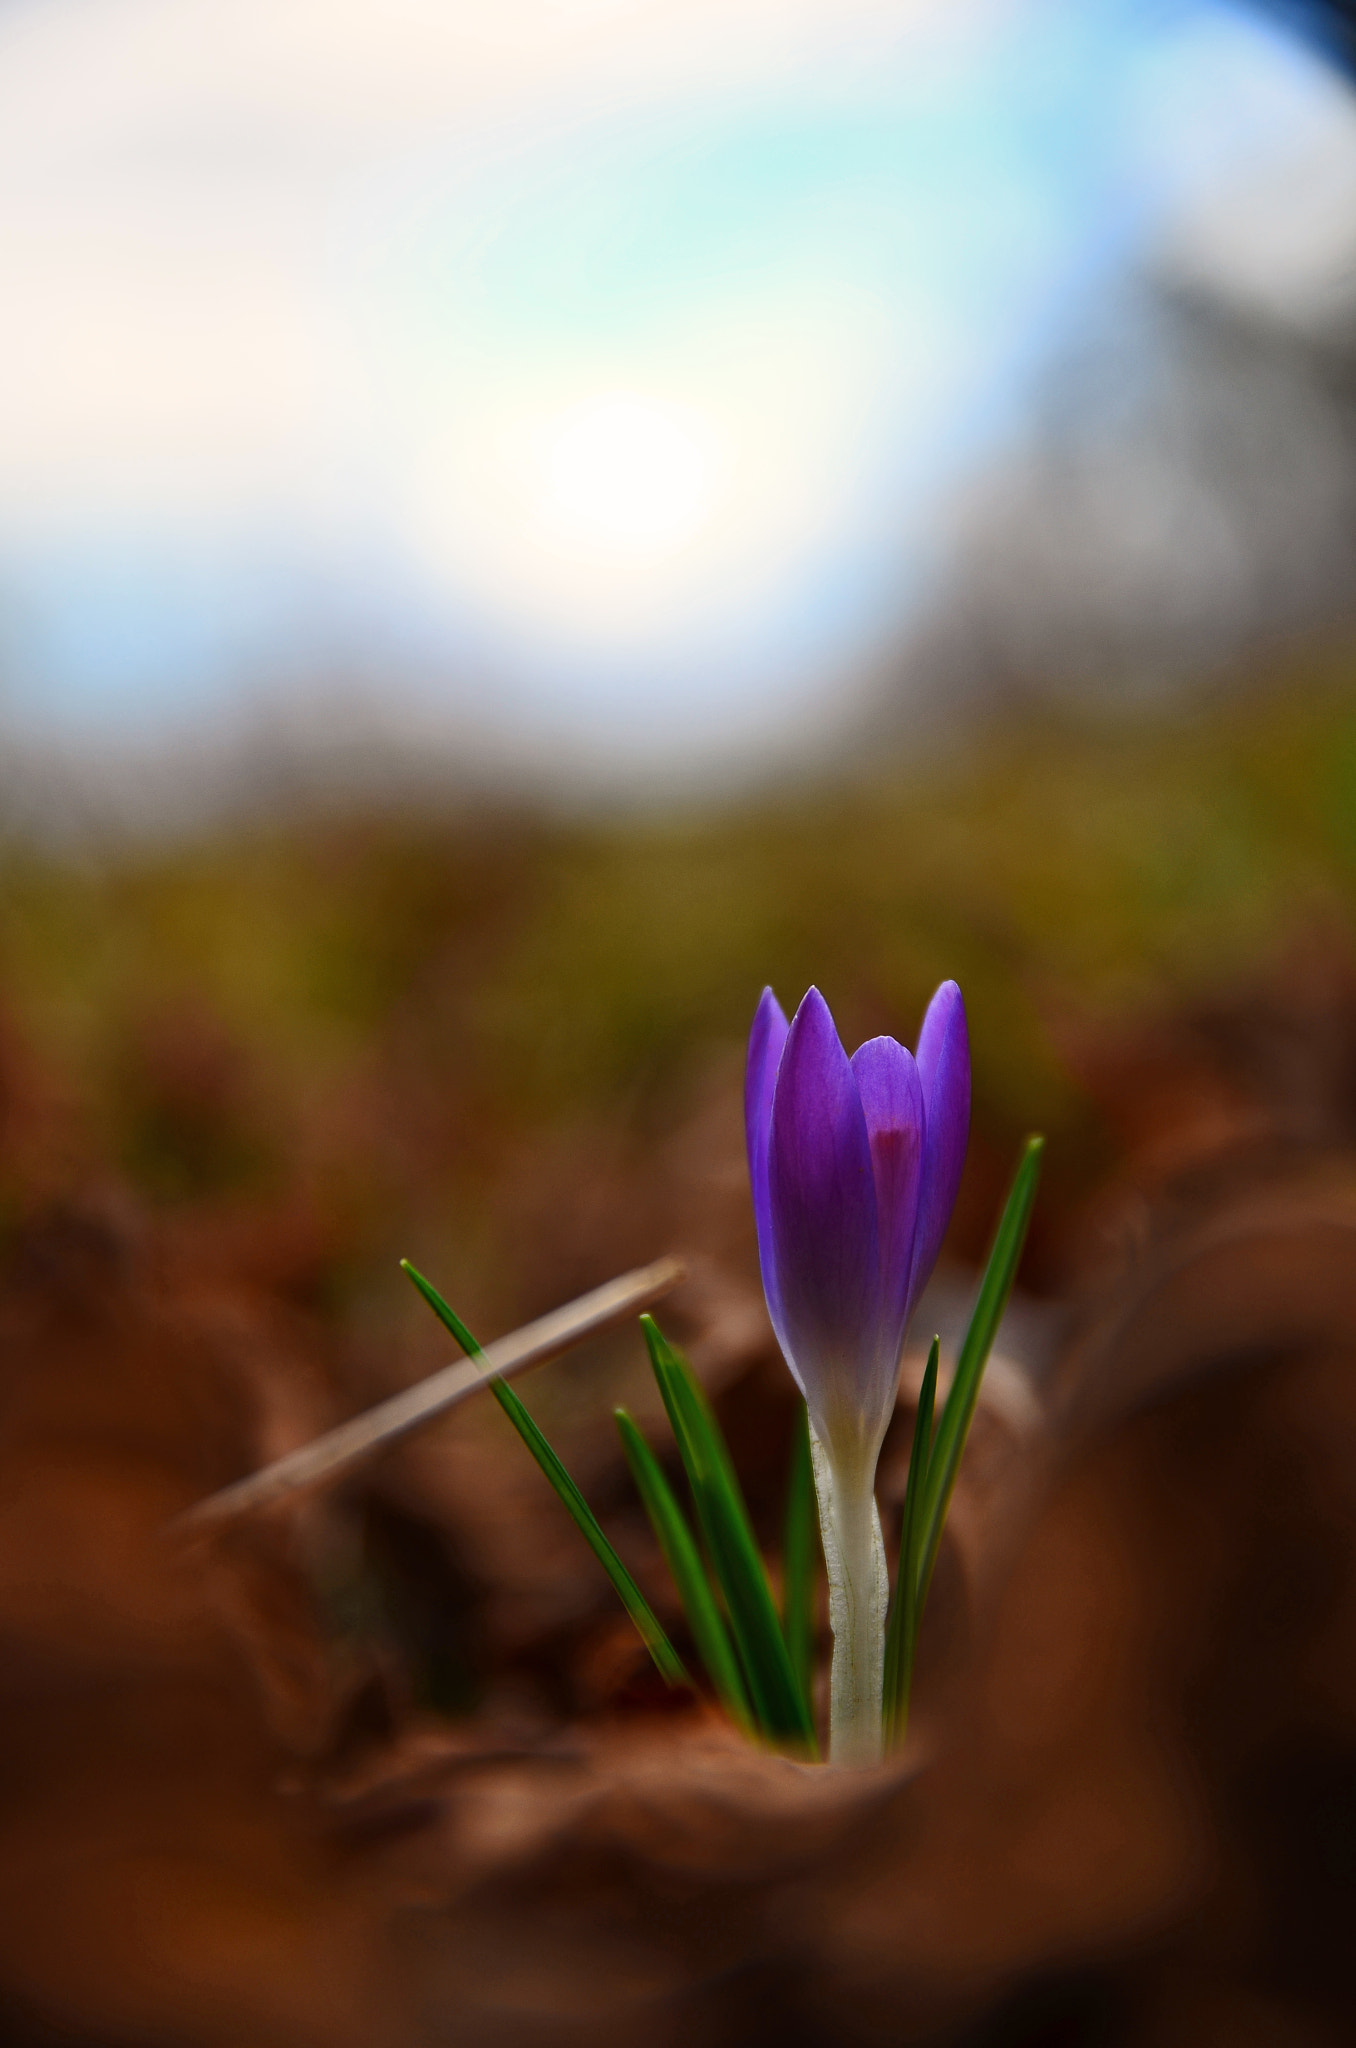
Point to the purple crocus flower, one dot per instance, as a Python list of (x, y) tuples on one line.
[(855, 1165)]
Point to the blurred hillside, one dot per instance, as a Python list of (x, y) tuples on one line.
[(311, 1044)]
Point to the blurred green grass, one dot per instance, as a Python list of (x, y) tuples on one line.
[(373, 1007)]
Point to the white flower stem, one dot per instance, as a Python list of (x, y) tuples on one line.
[(859, 1597)]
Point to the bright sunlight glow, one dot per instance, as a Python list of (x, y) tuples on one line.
[(623, 476)]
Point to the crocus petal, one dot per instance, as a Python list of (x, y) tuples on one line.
[(892, 1103), (823, 1210), (944, 1069), (766, 1041)]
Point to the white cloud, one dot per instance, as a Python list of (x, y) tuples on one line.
[(1251, 140), (193, 200)]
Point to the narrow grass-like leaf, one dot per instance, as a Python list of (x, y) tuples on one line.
[(800, 1543), (670, 1664), (780, 1709), (684, 1561), (902, 1636), (954, 1427)]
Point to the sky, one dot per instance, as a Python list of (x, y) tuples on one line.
[(584, 374)]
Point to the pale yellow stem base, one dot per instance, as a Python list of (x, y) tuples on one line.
[(859, 1599)]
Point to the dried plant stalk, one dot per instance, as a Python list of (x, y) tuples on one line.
[(340, 1449)]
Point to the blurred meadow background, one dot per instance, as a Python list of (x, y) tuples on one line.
[(517, 529), (520, 525)]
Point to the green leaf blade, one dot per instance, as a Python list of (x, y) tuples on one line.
[(782, 1712), (902, 1635), (958, 1412), (688, 1572), (667, 1660)]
